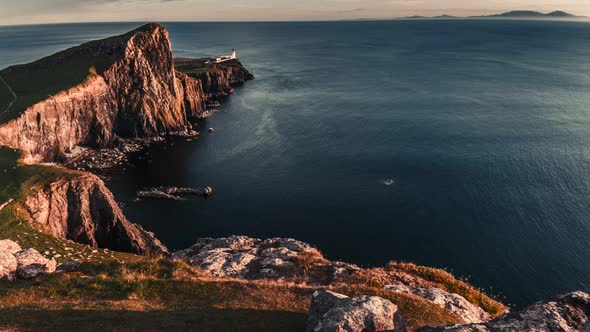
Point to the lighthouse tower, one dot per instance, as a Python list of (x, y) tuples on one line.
[(233, 54)]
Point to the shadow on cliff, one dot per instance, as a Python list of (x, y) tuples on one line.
[(170, 320)]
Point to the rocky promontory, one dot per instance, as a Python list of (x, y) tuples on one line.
[(83, 210), (115, 88)]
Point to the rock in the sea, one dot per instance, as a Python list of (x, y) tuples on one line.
[(32, 264), (565, 313), (455, 303), (10, 246), (8, 265), (173, 193), (333, 312)]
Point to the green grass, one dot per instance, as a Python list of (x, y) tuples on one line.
[(193, 67), (17, 182), (162, 295), (39, 80)]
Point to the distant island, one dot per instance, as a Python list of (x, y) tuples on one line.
[(515, 14)]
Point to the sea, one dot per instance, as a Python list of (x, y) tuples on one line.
[(459, 144)]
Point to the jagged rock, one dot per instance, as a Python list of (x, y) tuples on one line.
[(9, 246), (565, 313), (32, 264), (8, 265), (82, 209), (333, 312), (457, 304), (245, 257)]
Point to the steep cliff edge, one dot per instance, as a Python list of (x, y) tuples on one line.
[(124, 86), (83, 210)]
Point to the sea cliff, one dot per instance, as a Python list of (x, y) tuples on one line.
[(130, 89)]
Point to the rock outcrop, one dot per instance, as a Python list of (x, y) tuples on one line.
[(247, 258), (566, 313), (295, 261), (32, 264), (23, 264), (132, 90), (83, 210), (333, 312), (454, 303)]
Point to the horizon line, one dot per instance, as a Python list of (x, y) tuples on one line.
[(359, 19)]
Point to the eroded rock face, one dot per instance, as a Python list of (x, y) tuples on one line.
[(333, 312), (454, 303), (32, 264), (83, 210), (566, 313)]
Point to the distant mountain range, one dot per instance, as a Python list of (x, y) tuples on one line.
[(525, 14)]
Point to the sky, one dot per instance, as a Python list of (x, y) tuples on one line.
[(59, 11)]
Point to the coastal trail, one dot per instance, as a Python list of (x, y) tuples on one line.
[(13, 100)]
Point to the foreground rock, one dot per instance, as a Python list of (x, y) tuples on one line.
[(22, 264), (247, 258), (8, 265), (83, 210), (566, 313), (9, 246), (333, 312), (32, 264), (452, 302), (295, 261)]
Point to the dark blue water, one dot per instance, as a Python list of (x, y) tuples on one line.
[(483, 125)]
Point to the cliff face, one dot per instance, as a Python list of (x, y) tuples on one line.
[(84, 210), (81, 115), (132, 90), (218, 82)]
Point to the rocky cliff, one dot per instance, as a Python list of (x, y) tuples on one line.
[(298, 262), (130, 89), (83, 210)]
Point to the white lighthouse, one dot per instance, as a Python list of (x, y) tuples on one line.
[(223, 58)]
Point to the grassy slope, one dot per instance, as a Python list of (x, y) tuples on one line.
[(448, 282), (160, 295), (36, 81), (198, 66)]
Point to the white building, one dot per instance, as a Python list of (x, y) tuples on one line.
[(223, 58)]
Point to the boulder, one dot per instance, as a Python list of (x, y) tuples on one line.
[(30, 264), (8, 265), (9, 246), (565, 313), (455, 303), (333, 312)]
